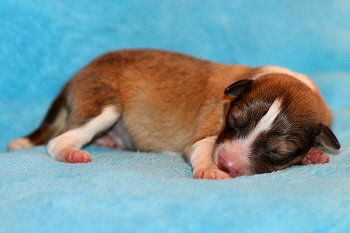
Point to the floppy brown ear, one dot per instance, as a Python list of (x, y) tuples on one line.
[(236, 88), (326, 138)]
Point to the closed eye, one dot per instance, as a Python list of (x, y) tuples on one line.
[(278, 159), (274, 155), (234, 123)]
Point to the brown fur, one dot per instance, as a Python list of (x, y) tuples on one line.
[(167, 101), (177, 98)]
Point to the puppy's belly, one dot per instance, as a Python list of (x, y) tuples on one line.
[(120, 136), (146, 138), (150, 138), (116, 137)]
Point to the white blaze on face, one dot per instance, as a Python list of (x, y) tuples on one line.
[(234, 155), (266, 121)]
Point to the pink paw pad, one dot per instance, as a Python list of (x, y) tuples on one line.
[(77, 156), (315, 156)]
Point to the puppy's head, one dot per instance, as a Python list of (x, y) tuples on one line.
[(271, 124)]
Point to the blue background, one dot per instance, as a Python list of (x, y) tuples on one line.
[(43, 43)]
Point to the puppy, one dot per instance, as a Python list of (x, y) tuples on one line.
[(228, 120)]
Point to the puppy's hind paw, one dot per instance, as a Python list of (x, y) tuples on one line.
[(315, 156), (77, 156), (19, 143)]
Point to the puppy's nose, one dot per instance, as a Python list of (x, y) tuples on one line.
[(230, 166), (232, 157)]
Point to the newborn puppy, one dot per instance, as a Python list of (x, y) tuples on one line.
[(278, 121), (228, 120)]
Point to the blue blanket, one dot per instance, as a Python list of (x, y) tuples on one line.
[(43, 42)]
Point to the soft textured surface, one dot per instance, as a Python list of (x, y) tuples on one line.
[(43, 42)]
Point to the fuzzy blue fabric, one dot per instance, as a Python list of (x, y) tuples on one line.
[(42, 43)]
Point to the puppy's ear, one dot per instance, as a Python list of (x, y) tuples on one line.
[(235, 89), (326, 138)]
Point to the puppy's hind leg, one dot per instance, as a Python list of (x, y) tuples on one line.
[(93, 108), (52, 125), (66, 147)]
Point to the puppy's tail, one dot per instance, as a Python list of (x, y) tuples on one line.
[(53, 124)]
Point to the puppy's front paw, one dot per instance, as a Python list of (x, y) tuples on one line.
[(315, 156), (211, 174)]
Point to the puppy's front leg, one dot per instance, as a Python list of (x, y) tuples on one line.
[(200, 155)]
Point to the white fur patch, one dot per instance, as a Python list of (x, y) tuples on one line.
[(276, 69), (263, 125), (78, 137), (202, 153), (266, 121)]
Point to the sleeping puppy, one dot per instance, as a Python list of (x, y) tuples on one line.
[(228, 120)]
